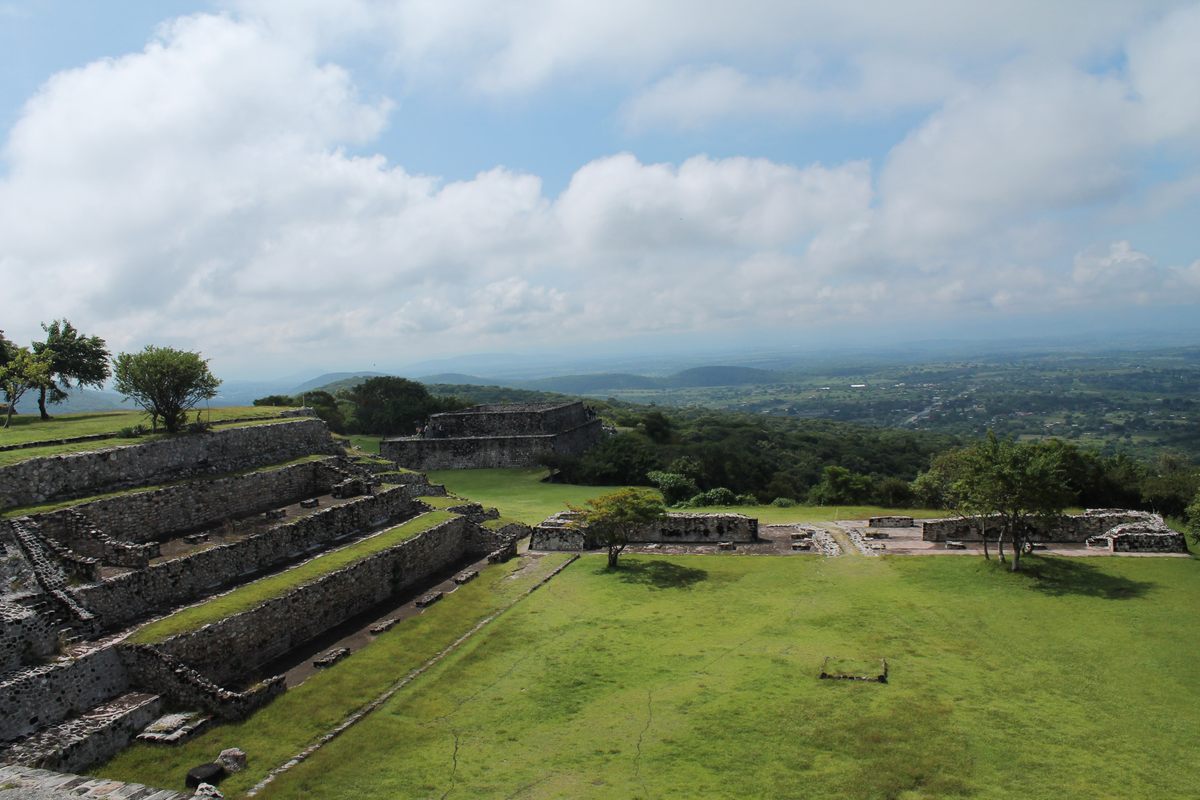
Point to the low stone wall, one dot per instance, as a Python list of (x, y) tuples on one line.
[(482, 539), (557, 533), (486, 452), (161, 513), (153, 670), (1068, 528), (26, 637), (1149, 542), (45, 695), (86, 741), (41, 480), (229, 650), (135, 595), (890, 522)]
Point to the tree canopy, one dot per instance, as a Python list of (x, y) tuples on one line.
[(75, 359), (610, 519), (391, 405), (165, 382), (21, 371)]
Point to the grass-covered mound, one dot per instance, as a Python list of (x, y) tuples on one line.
[(698, 677), (252, 594)]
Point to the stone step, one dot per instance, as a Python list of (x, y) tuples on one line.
[(90, 738), (18, 781)]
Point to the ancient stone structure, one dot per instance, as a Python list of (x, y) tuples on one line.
[(497, 436), (1136, 530), (194, 515), (560, 531), (890, 522)]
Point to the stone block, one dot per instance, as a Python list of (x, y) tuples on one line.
[(233, 759), (312, 502), (429, 599), (331, 657), (210, 773), (466, 577)]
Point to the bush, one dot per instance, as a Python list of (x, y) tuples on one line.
[(747, 500), (131, 432), (713, 497), (675, 488), (784, 502)]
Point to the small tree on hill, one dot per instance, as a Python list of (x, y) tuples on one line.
[(22, 370), (74, 359), (165, 382), (612, 518), (1192, 518)]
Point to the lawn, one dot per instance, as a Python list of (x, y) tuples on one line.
[(297, 718), (521, 494), (249, 595), (696, 676)]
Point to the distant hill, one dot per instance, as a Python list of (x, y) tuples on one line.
[(340, 379), (720, 376), (456, 379), (584, 384)]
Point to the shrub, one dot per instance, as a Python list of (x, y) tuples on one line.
[(784, 502), (675, 488), (713, 497), (747, 500)]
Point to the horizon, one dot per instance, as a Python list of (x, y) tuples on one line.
[(291, 189)]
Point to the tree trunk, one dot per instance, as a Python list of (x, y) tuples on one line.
[(8, 417), (42, 403), (613, 554), (1000, 546), (983, 532), (1018, 544)]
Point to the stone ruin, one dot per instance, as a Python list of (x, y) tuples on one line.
[(506, 435), (1117, 530), (147, 528), (561, 531)]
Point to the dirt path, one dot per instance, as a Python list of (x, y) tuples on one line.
[(839, 535)]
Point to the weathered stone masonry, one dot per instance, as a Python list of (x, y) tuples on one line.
[(229, 649), (42, 480), (558, 532), (1068, 528)]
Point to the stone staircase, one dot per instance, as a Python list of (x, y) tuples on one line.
[(19, 783)]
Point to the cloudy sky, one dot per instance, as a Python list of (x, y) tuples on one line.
[(295, 184)]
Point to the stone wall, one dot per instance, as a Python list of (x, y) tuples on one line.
[(231, 649), (153, 670), (509, 420), (41, 480), (890, 522), (489, 452), (1068, 528), (26, 637), (556, 532), (1148, 542), (135, 595), (173, 510), (44, 695)]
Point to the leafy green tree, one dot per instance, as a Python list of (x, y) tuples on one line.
[(75, 359), (1192, 518), (391, 405), (612, 518), (6, 347), (1019, 483), (276, 400), (657, 427), (23, 370), (675, 488), (165, 382), (840, 486)]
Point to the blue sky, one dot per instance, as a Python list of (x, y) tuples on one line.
[(294, 184)]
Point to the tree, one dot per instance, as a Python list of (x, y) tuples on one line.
[(612, 518), (22, 370), (1192, 518), (391, 405), (675, 487), (74, 358), (1019, 483), (165, 382)]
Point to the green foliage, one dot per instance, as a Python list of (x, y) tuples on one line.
[(719, 496), (165, 382), (1192, 518), (622, 459), (394, 406), (840, 486), (75, 360), (24, 370), (277, 400), (675, 487), (783, 502), (657, 427), (611, 518)]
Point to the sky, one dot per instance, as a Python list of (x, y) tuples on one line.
[(291, 185)]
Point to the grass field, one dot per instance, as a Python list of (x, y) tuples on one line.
[(249, 595), (521, 494), (301, 715), (696, 677)]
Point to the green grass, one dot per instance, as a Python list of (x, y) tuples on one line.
[(521, 494), (252, 594), (518, 493), (697, 677), (297, 718), (368, 444)]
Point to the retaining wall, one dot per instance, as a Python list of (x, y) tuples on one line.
[(38, 696), (158, 514), (41, 480), (154, 670), (487, 452), (557, 533), (229, 650), (1068, 528), (26, 637), (125, 598)]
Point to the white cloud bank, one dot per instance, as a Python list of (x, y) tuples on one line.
[(198, 192)]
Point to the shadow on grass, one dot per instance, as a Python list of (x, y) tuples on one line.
[(659, 574), (1067, 576)]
